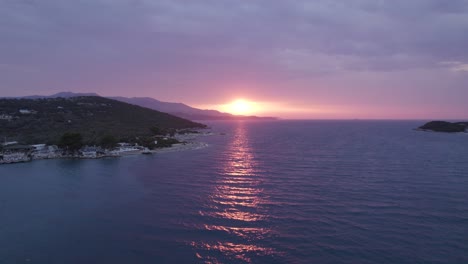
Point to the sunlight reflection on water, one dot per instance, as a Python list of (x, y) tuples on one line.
[(238, 201), (281, 192)]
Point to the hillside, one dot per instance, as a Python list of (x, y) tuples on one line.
[(176, 109), (46, 120), (185, 111)]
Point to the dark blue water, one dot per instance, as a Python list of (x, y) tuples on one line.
[(271, 192)]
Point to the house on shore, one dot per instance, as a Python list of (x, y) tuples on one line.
[(16, 153), (13, 148), (39, 147), (6, 117), (9, 143), (27, 112)]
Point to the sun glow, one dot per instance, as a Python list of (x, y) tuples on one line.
[(240, 107)]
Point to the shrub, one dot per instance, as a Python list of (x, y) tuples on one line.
[(71, 141), (108, 142)]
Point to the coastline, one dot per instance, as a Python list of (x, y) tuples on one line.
[(187, 142)]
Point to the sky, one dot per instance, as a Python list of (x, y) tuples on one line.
[(326, 59)]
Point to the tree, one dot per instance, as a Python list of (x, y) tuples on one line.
[(108, 142), (71, 141), (156, 130)]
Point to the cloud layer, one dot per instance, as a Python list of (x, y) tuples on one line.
[(356, 55)]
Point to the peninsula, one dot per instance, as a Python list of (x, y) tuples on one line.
[(86, 126)]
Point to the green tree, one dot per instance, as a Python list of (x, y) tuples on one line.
[(108, 142), (71, 141), (156, 130)]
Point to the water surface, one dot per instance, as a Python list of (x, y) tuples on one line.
[(266, 192)]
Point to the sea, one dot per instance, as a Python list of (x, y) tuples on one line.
[(258, 192)]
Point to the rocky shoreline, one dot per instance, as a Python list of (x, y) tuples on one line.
[(187, 142)]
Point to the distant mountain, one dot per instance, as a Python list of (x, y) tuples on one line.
[(185, 111), (61, 94), (166, 106), (177, 109), (45, 120)]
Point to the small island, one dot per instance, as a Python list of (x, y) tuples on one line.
[(443, 126), (84, 127)]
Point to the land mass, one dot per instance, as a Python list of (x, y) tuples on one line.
[(443, 126), (185, 111), (176, 109), (46, 120)]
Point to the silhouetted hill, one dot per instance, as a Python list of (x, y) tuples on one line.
[(61, 94), (185, 111), (166, 106), (45, 120), (177, 109)]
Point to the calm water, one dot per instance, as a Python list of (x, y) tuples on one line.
[(274, 192)]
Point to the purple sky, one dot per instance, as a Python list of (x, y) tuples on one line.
[(297, 58)]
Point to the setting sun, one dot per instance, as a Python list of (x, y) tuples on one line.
[(240, 107)]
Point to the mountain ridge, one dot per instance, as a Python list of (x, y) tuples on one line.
[(45, 120), (178, 109)]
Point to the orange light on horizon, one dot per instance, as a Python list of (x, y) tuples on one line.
[(240, 107), (288, 110)]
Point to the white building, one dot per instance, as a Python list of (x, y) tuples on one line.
[(10, 143), (6, 117), (39, 147), (27, 111)]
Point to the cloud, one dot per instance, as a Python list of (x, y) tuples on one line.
[(421, 32), (461, 67), (171, 47), (456, 66)]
